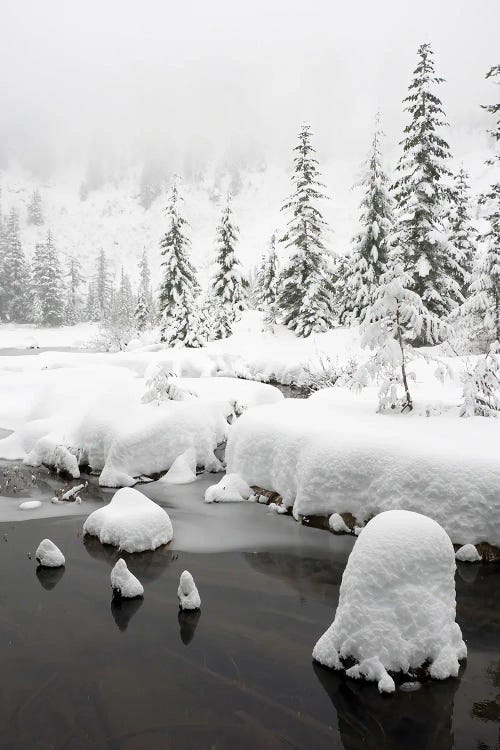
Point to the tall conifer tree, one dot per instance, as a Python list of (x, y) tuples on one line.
[(362, 269), (423, 194), (305, 300), (179, 286)]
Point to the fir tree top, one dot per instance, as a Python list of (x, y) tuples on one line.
[(425, 152)]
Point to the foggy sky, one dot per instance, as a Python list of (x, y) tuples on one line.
[(222, 76)]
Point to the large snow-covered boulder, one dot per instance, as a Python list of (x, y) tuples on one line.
[(124, 583), (397, 603), (187, 592), (48, 555), (131, 522)]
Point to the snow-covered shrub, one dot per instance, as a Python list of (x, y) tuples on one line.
[(396, 610), (325, 372), (161, 386), (482, 387)]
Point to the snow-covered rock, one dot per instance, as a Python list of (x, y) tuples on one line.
[(231, 489), (468, 553), (332, 453), (49, 555), (30, 505), (397, 603), (337, 524), (131, 522), (124, 583), (182, 471), (187, 592)]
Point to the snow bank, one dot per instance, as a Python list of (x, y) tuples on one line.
[(231, 489), (124, 583), (397, 603), (84, 410), (337, 524), (131, 521), (48, 555), (333, 454), (187, 592)]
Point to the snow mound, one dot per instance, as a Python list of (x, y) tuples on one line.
[(337, 524), (131, 521), (335, 454), (231, 489), (49, 555), (30, 505), (397, 603), (468, 553), (124, 583), (187, 592), (182, 471)]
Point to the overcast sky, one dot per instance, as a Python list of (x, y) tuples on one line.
[(230, 74)]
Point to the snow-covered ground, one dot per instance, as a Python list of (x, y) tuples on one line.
[(331, 453)]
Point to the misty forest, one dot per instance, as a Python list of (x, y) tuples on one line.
[(250, 376)]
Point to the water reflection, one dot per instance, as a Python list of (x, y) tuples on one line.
[(49, 577), (147, 566), (305, 574), (124, 609), (420, 720), (188, 622)]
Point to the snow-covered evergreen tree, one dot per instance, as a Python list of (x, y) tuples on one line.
[(102, 289), (35, 209), (267, 283), (228, 283), (144, 307), (305, 299), (74, 306), (482, 307), (396, 317), (119, 325), (423, 194), (369, 258), (482, 386), (47, 284), (16, 302), (179, 286), (463, 234)]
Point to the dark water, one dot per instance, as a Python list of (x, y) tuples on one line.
[(79, 671)]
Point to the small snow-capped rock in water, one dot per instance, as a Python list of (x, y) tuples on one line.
[(468, 553), (49, 555), (397, 605), (124, 583), (30, 505), (338, 525), (187, 592), (410, 687), (231, 489)]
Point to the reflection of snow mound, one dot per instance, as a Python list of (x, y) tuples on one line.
[(468, 553), (124, 583), (131, 522), (397, 602), (187, 592), (231, 489), (49, 555), (183, 470)]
